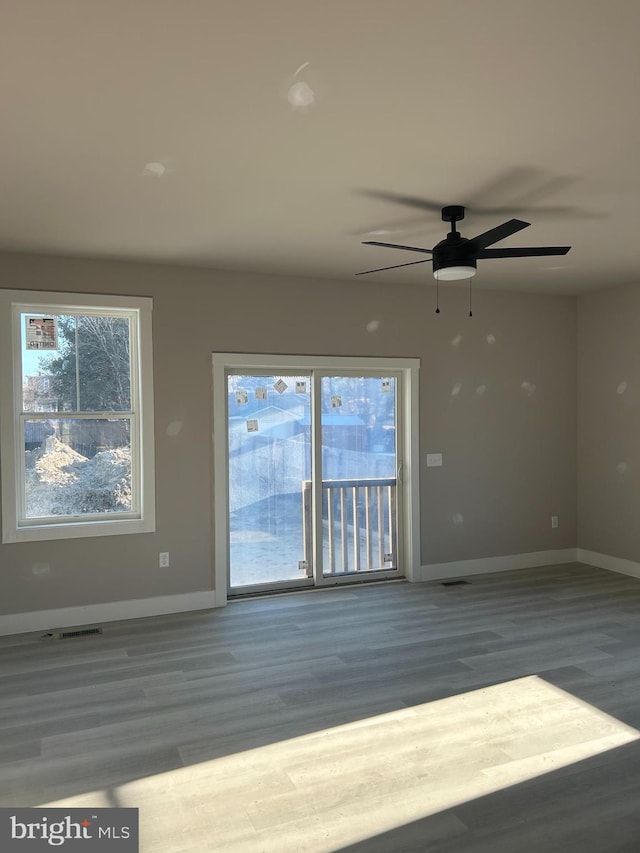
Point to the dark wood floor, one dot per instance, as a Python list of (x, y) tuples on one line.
[(501, 716)]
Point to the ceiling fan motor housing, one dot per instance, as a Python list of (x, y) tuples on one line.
[(454, 251)]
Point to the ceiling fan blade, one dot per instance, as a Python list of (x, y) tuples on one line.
[(517, 187), (532, 252), (499, 233), (407, 200), (550, 211), (396, 246), (396, 266)]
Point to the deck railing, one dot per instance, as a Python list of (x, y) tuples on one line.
[(359, 525)]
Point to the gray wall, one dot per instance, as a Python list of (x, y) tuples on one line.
[(509, 452), (609, 422)]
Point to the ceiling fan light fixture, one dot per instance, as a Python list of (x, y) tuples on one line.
[(454, 273)]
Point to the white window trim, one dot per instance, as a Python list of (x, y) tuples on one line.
[(408, 370), (13, 302)]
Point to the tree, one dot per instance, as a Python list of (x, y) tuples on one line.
[(92, 371)]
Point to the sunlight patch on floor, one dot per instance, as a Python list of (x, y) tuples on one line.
[(323, 791)]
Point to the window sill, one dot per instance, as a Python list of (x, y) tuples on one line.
[(78, 530)]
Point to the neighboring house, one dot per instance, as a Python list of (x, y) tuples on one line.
[(348, 432), (273, 424), (37, 393)]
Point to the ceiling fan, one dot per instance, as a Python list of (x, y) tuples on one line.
[(456, 257)]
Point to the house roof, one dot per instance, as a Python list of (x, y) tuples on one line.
[(329, 419)]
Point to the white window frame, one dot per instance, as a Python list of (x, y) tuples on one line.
[(138, 310)]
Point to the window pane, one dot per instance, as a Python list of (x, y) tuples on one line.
[(48, 363), (358, 427), (77, 467), (104, 364), (359, 494), (51, 347), (269, 470)]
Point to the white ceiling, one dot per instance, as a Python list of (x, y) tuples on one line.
[(510, 104)]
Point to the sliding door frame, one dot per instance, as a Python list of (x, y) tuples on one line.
[(322, 576), (405, 369)]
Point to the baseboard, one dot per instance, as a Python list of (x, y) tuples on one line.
[(606, 561), (113, 611), (66, 617), (486, 565)]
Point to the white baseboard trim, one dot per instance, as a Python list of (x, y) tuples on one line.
[(486, 565), (605, 561), (113, 611)]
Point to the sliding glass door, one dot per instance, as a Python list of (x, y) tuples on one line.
[(312, 458)]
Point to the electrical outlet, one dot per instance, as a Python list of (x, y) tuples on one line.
[(164, 559), (554, 521)]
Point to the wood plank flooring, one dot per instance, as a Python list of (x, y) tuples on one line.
[(493, 717)]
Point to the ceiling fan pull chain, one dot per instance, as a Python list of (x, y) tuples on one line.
[(437, 295), (470, 311)]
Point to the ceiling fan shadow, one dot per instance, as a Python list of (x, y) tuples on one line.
[(517, 191)]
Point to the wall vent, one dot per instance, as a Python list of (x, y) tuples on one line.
[(454, 583), (85, 632)]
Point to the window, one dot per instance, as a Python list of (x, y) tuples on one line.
[(76, 415)]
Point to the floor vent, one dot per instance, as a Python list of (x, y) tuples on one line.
[(454, 583), (85, 632)]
